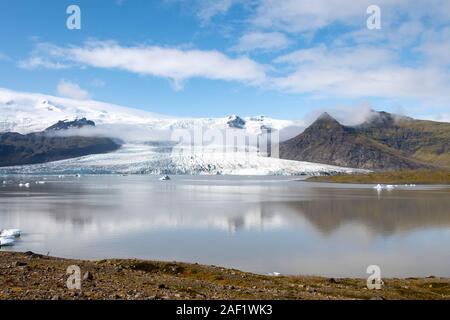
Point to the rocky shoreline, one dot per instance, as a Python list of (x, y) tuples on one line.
[(28, 275)]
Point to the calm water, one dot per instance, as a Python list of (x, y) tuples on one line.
[(258, 224)]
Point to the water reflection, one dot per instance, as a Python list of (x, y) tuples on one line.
[(256, 224), (401, 211)]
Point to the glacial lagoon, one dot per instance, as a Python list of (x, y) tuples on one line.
[(261, 224)]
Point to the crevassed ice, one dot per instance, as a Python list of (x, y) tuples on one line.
[(145, 159)]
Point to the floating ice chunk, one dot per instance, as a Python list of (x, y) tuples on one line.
[(40, 182), (275, 274), (6, 242), (4, 182), (164, 178), (78, 175), (380, 187), (10, 233)]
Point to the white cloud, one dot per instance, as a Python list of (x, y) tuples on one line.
[(306, 15), (72, 90), (41, 58), (41, 62), (349, 115), (361, 57), (436, 46), (408, 58), (360, 72), (262, 41), (175, 64), (210, 8)]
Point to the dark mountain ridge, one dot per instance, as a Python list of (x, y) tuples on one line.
[(41, 147), (385, 142), (75, 124)]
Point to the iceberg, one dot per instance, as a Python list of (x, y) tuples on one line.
[(6, 242), (10, 233)]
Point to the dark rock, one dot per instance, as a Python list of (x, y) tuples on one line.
[(88, 276), (76, 124), (332, 280), (236, 122), (20, 264)]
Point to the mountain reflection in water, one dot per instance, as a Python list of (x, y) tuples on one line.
[(259, 224)]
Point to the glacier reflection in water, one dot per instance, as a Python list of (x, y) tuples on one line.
[(258, 224)]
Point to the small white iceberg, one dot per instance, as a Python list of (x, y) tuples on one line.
[(10, 233), (275, 274), (8, 236), (24, 185), (165, 178), (40, 182), (6, 242), (380, 187)]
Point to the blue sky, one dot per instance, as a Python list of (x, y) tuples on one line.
[(285, 59)]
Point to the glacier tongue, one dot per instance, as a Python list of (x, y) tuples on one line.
[(29, 112), (169, 159)]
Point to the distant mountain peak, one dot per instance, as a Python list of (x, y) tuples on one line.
[(75, 124), (326, 116), (384, 141), (325, 122), (235, 121), (383, 119)]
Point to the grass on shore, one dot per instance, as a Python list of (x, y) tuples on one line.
[(391, 177)]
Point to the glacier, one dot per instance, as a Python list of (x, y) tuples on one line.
[(148, 147), (158, 160)]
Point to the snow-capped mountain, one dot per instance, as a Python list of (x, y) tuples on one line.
[(148, 143), (31, 112)]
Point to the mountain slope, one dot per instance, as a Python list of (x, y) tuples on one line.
[(426, 141), (384, 142), (18, 149)]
